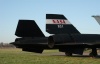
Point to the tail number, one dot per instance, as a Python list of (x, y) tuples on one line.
[(58, 21), (60, 26)]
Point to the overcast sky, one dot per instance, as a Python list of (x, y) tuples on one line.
[(78, 12)]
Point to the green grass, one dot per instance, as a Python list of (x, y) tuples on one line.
[(16, 56)]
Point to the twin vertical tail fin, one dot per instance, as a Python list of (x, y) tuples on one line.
[(55, 24), (97, 18), (59, 24)]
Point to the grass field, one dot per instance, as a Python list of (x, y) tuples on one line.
[(16, 56)]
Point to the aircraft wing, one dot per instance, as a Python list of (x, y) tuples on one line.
[(79, 44)]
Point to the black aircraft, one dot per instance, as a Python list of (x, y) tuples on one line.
[(65, 37)]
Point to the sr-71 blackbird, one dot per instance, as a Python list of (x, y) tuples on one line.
[(65, 37)]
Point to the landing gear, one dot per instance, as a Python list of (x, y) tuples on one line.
[(68, 54), (93, 52)]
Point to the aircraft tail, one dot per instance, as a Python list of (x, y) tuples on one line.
[(97, 18), (28, 28), (59, 24)]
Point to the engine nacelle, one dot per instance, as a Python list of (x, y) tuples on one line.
[(86, 39), (58, 39)]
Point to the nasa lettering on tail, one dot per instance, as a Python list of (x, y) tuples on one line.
[(58, 24)]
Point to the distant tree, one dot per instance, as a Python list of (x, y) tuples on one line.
[(1, 44), (6, 45)]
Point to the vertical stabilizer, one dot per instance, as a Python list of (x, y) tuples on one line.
[(28, 28), (59, 24), (97, 18)]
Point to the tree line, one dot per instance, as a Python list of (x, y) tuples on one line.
[(6, 45)]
